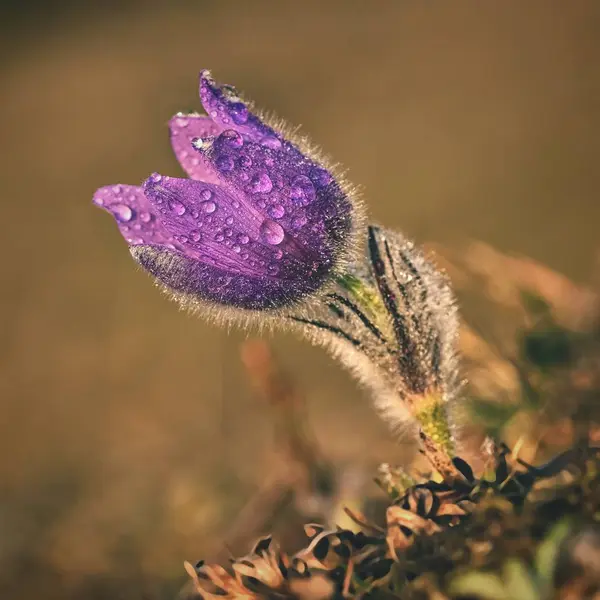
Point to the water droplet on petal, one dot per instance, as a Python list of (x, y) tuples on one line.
[(302, 190), (228, 232), (155, 177), (273, 269), (177, 207), (270, 141), (122, 212), (278, 253), (236, 249), (219, 237), (117, 189), (235, 204), (196, 236), (320, 177), (245, 161), (229, 220), (261, 183), (239, 113), (277, 211), (272, 232), (181, 122), (224, 163), (208, 206), (243, 238), (232, 138), (206, 194)]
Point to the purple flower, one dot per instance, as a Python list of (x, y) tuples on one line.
[(259, 224)]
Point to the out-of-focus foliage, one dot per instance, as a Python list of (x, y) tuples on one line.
[(535, 382)]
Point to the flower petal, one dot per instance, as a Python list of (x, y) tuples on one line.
[(184, 128), (228, 110), (217, 227), (181, 273), (287, 188), (134, 214)]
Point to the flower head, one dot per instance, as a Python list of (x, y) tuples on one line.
[(259, 224)]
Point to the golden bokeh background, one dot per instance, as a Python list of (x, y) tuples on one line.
[(129, 432)]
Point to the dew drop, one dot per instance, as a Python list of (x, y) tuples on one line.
[(232, 138), (239, 112), (181, 122), (277, 211), (244, 255), (219, 237), (245, 161), (237, 249), (224, 163), (208, 206), (235, 204), (261, 183), (270, 141), (122, 212), (155, 177), (302, 190), (177, 207), (272, 232), (229, 220), (206, 194), (273, 269), (228, 232), (196, 236), (278, 253), (117, 189), (243, 238), (320, 177)]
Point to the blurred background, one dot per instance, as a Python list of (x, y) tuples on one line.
[(131, 435)]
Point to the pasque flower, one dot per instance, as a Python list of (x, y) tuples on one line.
[(263, 225), (260, 223)]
